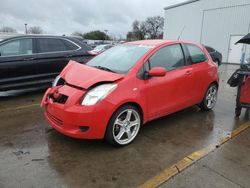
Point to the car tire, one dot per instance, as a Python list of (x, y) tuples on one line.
[(123, 126), (238, 111), (210, 98)]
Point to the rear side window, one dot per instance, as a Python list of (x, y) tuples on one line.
[(54, 45), (69, 45), (17, 47), (196, 54), (169, 57)]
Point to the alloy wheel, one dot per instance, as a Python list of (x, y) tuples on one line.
[(126, 126), (211, 97)]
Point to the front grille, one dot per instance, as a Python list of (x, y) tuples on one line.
[(55, 119), (61, 99)]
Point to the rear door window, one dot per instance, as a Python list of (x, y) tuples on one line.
[(170, 57), (196, 54), (54, 45), (17, 47)]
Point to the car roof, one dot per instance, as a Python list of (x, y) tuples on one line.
[(159, 42), (150, 42), (38, 36), (72, 38)]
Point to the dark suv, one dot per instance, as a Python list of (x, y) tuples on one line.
[(32, 62), (216, 56)]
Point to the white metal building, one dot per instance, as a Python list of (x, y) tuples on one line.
[(216, 23)]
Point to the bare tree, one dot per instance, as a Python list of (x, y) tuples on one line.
[(35, 30), (154, 27), (131, 36), (7, 30), (139, 30)]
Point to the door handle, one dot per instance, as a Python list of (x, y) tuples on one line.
[(29, 59), (188, 73), (68, 55)]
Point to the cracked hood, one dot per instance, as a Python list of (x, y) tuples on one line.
[(85, 76)]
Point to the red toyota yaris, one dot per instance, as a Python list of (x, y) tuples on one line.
[(118, 91)]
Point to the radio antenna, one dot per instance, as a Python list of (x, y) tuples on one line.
[(181, 33)]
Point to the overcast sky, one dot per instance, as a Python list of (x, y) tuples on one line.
[(67, 16)]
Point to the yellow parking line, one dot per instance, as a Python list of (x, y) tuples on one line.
[(184, 163), (19, 107), (240, 129), (201, 153), (161, 178), (190, 159), (224, 140)]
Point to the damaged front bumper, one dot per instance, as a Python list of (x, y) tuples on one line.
[(73, 119)]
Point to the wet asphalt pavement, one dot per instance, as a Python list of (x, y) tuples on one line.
[(34, 155), (226, 167)]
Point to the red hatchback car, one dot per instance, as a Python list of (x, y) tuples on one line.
[(118, 91)]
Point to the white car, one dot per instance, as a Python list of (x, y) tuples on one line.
[(99, 49)]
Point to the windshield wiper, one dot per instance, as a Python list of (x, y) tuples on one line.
[(104, 68)]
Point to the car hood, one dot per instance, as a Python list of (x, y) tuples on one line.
[(85, 76)]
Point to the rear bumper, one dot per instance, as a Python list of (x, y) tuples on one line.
[(69, 117)]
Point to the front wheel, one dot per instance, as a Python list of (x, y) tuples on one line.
[(123, 126), (210, 98)]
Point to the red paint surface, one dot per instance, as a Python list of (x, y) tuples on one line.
[(245, 91), (158, 96)]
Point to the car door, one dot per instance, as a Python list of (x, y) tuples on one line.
[(170, 93), (201, 70), (16, 62), (53, 55)]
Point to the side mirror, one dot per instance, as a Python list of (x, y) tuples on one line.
[(157, 72)]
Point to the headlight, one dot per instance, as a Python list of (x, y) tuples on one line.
[(98, 93), (58, 81)]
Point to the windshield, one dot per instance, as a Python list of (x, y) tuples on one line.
[(119, 59)]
